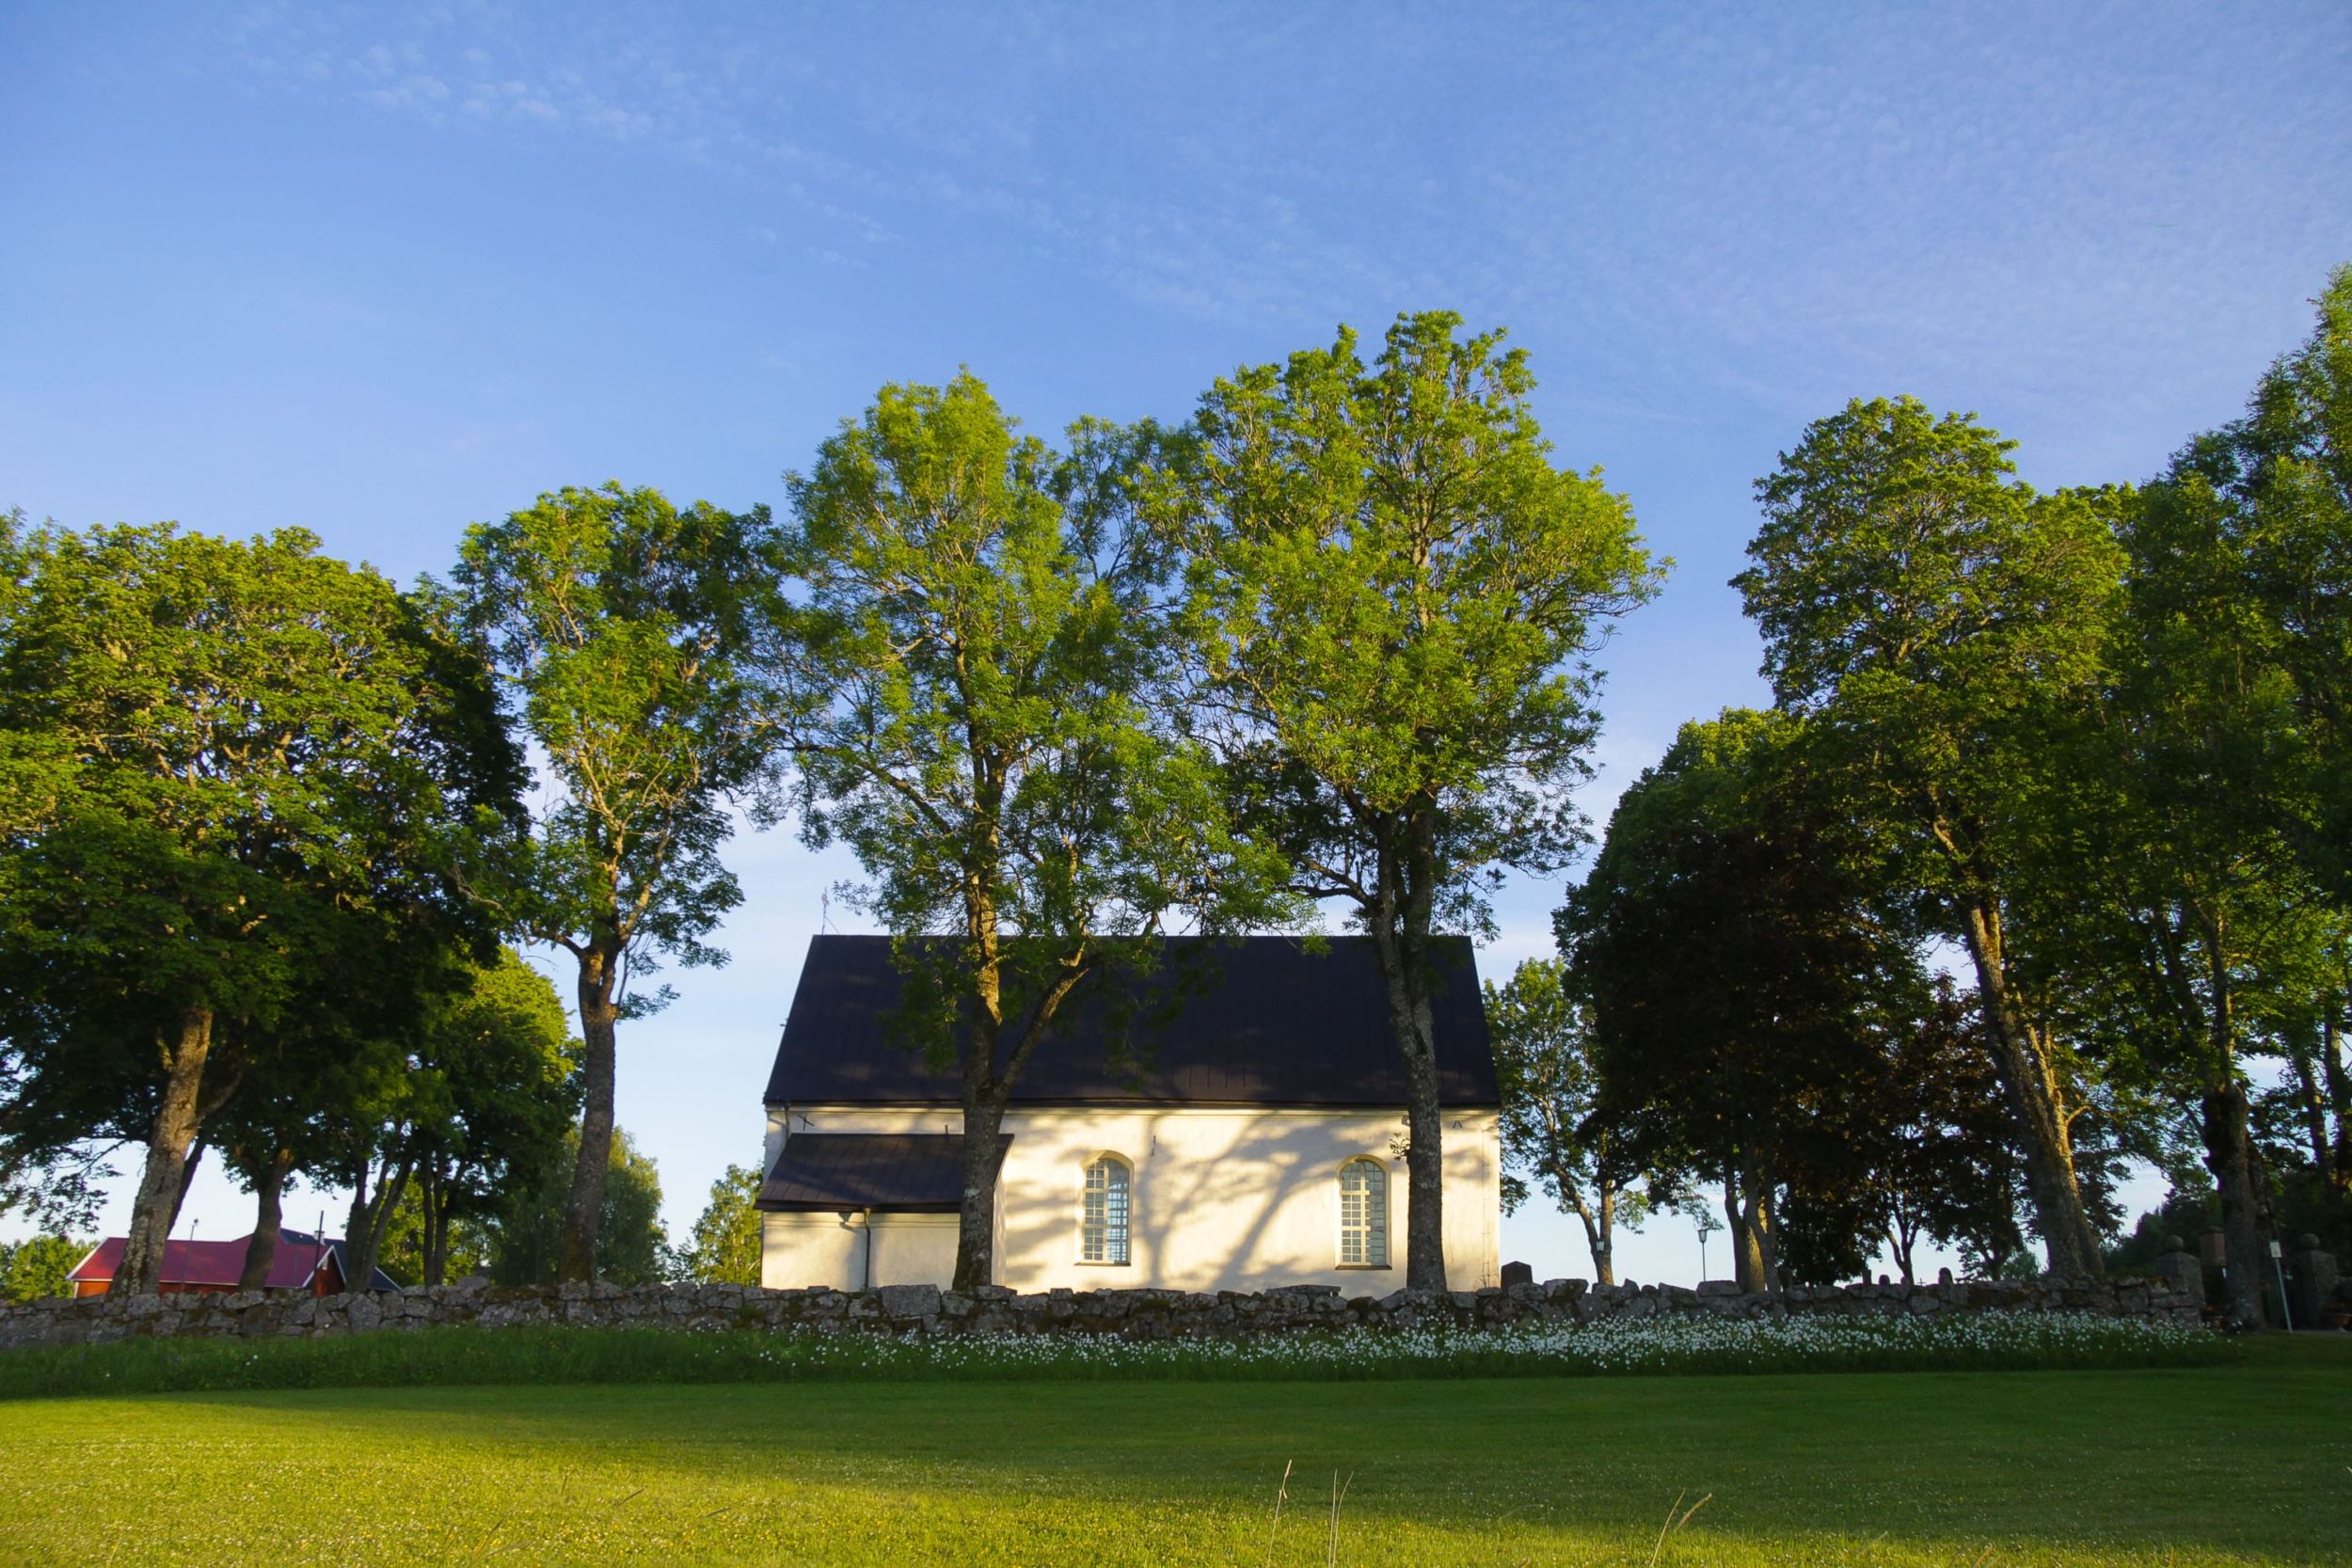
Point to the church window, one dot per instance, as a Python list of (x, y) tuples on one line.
[(1363, 1215), (1103, 1232)]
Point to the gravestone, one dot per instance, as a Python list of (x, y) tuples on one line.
[(1517, 1273), (2179, 1268), (2311, 1280)]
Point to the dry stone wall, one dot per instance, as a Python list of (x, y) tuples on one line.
[(1128, 1314)]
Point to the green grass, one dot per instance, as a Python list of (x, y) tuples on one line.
[(445, 1357), (2241, 1462)]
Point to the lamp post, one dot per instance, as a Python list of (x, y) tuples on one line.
[(2287, 1309)]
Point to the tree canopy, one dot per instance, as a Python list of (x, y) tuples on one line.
[(632, 638), (246, 788), (982, 644), (1394, 599)]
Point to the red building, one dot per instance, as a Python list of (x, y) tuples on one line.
[(302, 1262)]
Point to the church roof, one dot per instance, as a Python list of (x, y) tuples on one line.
[(1258, 1020), (897, 1172)]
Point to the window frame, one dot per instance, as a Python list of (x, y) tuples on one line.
[(1367, 1230), (1116, 1223)]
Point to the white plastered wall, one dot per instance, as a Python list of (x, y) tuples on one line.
[(1222, 1199)]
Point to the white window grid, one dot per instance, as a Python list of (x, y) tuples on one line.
[(1103, 1232), (1363, 1215)]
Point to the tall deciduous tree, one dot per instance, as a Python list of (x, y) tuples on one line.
[(244, 786), (1743, 983), (630, 635), (2210, 930), (1947, 623), (982, 630), (1394, 597), (1551, 1091)]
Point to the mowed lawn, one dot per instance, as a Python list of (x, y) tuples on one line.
[(2248, 1463)]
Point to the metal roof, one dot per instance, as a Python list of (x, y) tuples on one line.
[(1257, 1021), (895, 1172), (299, 1255)]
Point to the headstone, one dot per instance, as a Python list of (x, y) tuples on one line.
[(2179, 1268), (1517, 1273), (2312, 1279)]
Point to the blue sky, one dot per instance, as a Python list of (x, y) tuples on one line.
[(380, 273)]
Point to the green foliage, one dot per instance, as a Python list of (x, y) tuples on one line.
[(628, 633), (244, 789), (981, 649), (725, 1244), (36, 1268), (634, 640), (522, 1355), (982, 630), (1745, 989), (525, 1236), (1551, 1090), (1393, 598), (1395, 594), (1946, 627), (2188, 1213)]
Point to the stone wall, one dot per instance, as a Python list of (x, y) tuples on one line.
[(1131, 1314)]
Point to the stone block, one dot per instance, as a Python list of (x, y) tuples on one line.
[(901, 1303)]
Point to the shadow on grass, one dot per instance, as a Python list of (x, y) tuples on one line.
[(2247, 1460)]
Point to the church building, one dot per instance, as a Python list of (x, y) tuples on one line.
[(1244, 1131)]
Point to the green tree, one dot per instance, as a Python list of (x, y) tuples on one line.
[(1393, 597), (242, 788), (1948, 625), (2200, 917), (478, 1094), (1743, 985), (1946, 1166), (35, 1269), (725, 1244), (982, 646), (527, 1239), (1551, 1092), (629, 634)]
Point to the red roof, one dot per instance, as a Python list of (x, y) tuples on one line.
[(212, 1263)]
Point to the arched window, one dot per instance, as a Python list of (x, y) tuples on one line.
[(1103, 1232), (1363, 1215)]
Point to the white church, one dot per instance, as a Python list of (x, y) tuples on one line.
[(1255, 1141)]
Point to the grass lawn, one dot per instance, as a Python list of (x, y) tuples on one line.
[(2240, 1464)]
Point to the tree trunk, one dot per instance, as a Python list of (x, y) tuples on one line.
[(975, 1214), (187, 1179), (433, 1209), (1748, 1264), (269, 1192), (583, 1210), (1601, 1236), (1400, 925), (2067, 1233), (2339, 1098), (2228, 1156), (2311, 1099), (371, 1216), (1409, 1021), (178, 1119)]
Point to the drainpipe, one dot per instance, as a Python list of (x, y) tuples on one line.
[(864, 1218)]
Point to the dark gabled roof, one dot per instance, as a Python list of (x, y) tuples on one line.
[(1263, 1020), (907, 1173)]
